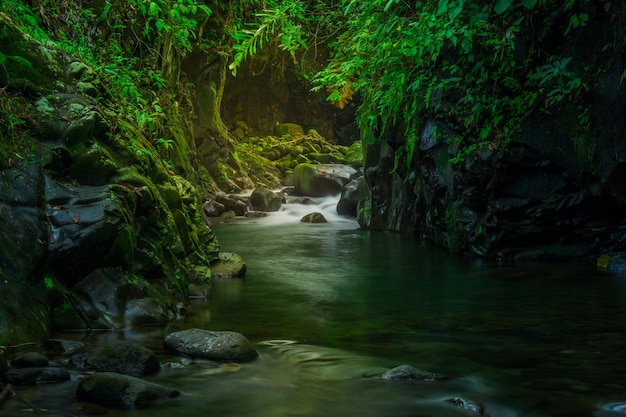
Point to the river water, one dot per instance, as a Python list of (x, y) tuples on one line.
[(329, 307)]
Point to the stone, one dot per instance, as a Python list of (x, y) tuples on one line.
[(61, 347), (313, 218), (228, 265), (408, 372), (146, 311), (120, 357), (222, 346), (354, 192), (264, 199), (213, 208), (290, 129), (232, 202), (117, 390), (322, 180), (468, 405), (35, 375), (30, 360)]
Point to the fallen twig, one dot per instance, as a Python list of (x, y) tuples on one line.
[(6, 392)]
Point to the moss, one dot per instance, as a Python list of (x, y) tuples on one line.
[(122, 249), (170, 195), (94, 165)]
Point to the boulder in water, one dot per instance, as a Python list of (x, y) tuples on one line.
[(408, 372), (223, 346), (314, 218), (321, 180), (228, 265), (121, 357), (29, 360), (468, 405), (117, 390), (61, 347), (35, 375), (355, 191), (264, 199)]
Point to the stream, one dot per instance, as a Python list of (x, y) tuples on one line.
[(330, 307)]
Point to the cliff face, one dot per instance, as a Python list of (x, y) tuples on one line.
[(99, 228), (553, 193)]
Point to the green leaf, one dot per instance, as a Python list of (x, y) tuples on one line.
[(22, 61), (389, 4), (455, 11), (502, 5), (442, 7), (205, 9), (3, 58), (529, 4), (154, 9)]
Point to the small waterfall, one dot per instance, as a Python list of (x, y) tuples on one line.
[(298, 207)]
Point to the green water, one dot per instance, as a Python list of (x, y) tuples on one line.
[(329, 306)]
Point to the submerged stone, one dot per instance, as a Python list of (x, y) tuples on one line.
[(228, 265), (223, 346), (121, 357), (408, 372), (29, 360), (35, 375), (117, 390)]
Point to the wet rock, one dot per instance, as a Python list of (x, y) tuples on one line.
[(81, 218), (256, 214), (104, 295), (213, 208), (117, 390), (232, 202), (354, 192), (223, 346), (35, 375), (473, 407), (29, 360), (322, 180), (408, 372), (121, 357), (314, 218), (264, 199), (61, 347), (228, 265), (146, 311)]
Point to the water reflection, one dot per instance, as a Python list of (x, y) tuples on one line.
[(330, 307)]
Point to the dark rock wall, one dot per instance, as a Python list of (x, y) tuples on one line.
[(96, 231), (546, 197), (554, 193)]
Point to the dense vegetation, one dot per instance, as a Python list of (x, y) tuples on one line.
[(481, 65)]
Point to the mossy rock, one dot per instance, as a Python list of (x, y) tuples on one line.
[(354, 154), (123, 247), (199, 281), (296, 151), (290, 129), (228, 265), (322, 158), (94, 165), (170, 195)]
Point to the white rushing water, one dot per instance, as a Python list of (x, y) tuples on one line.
[(293, 211)]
